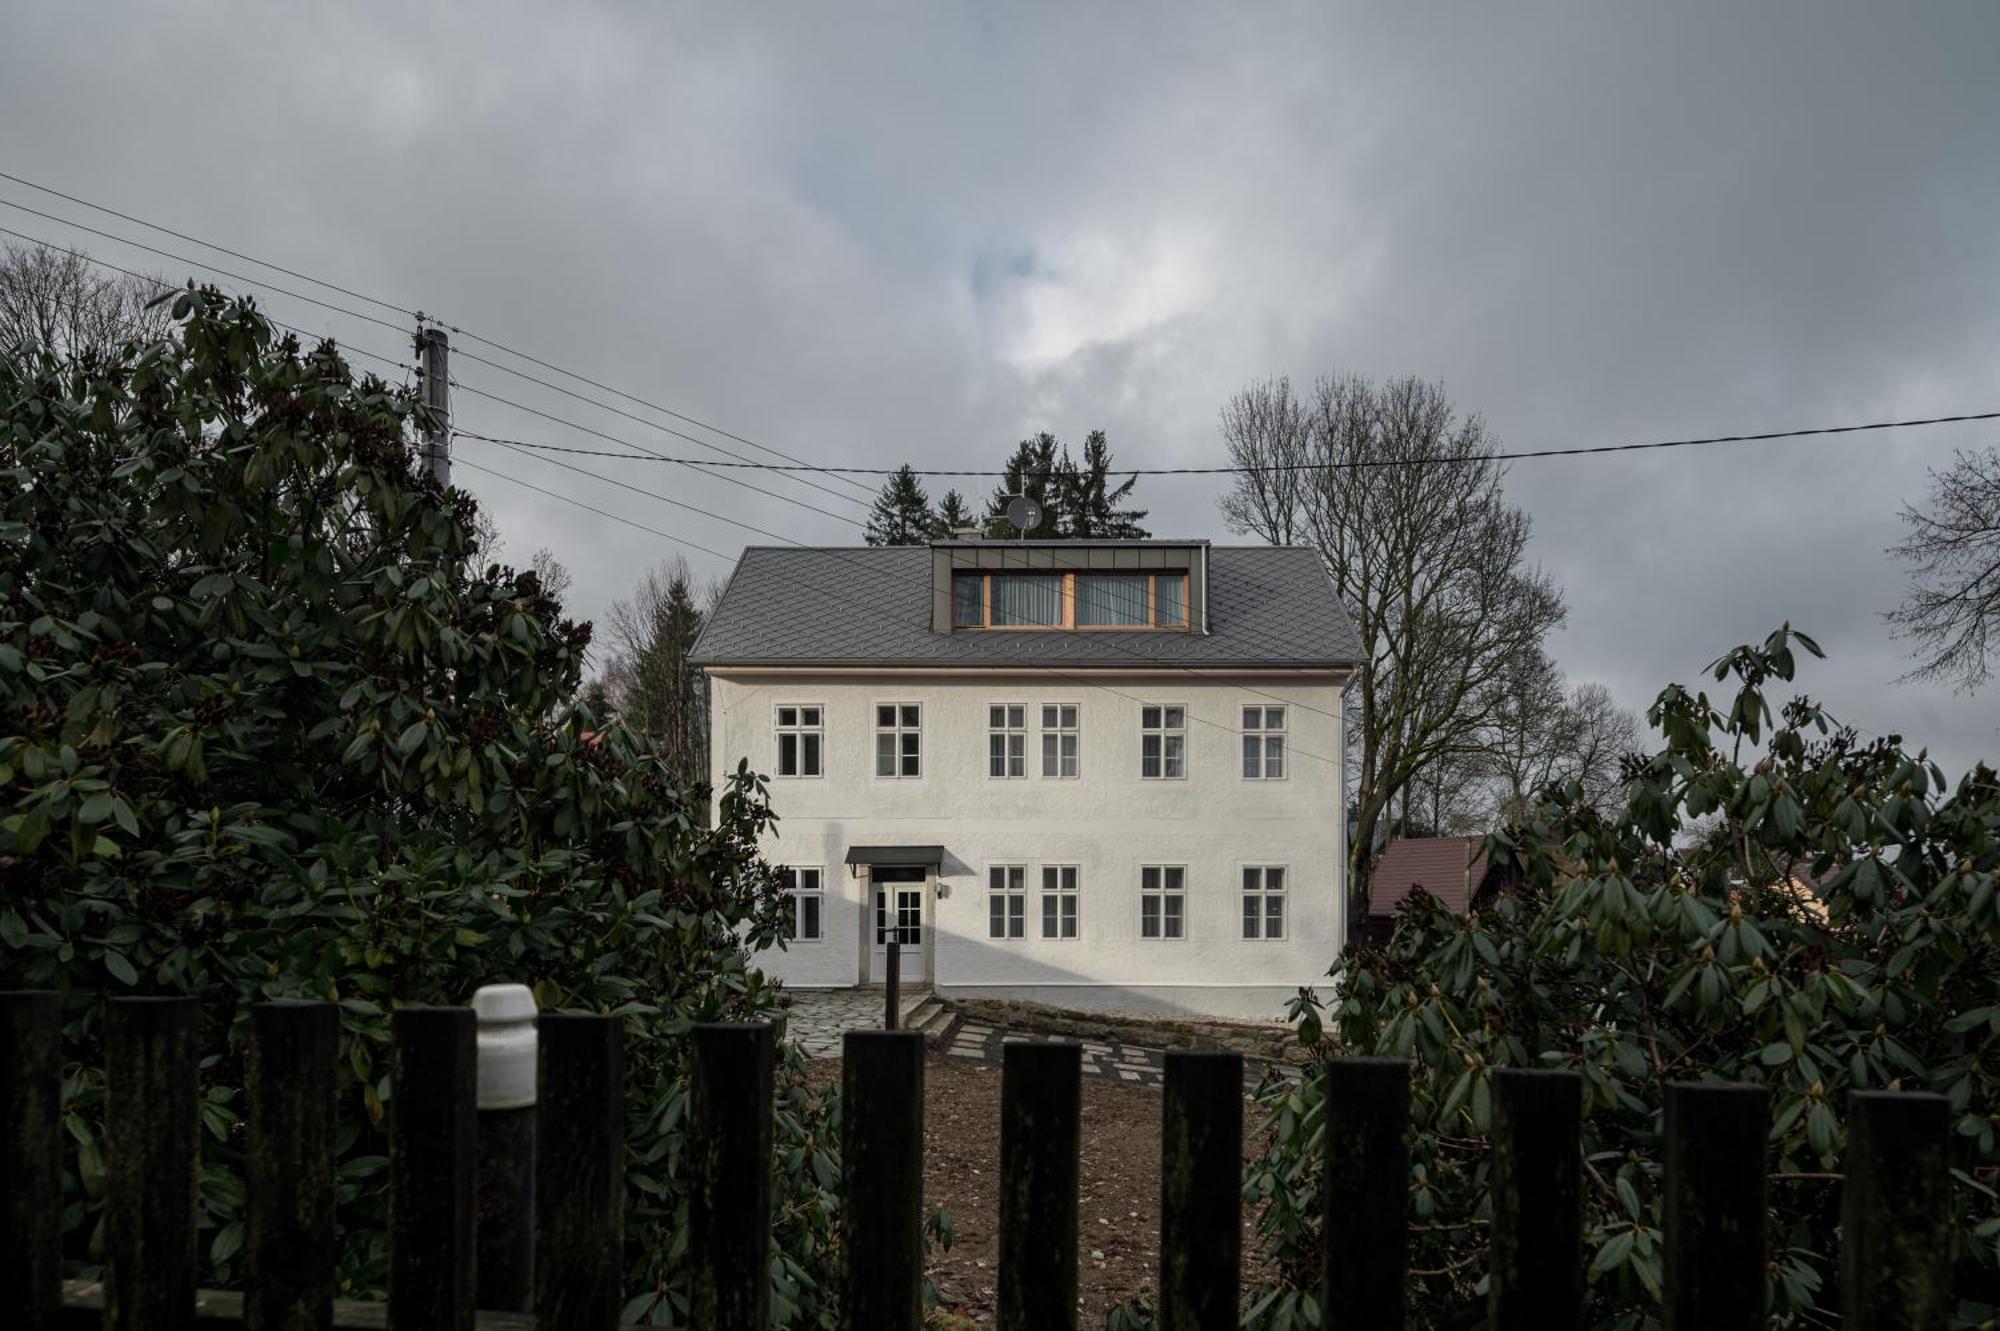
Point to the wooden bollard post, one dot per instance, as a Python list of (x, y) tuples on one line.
[(729, 1150), (580, 1194), (288, 1244), (151, 1124), (1365, 1195), (432, 1127), (504, 1039), (882, 1179), (1717, 1138), (30, 1160), (893, 990), (1536, 1263), (1041, 1114), (1201, 1191), (1895, 1213)]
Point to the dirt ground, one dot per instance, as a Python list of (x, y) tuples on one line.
[(1119, 1214)]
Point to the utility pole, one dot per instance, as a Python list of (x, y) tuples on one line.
[(434, 373)]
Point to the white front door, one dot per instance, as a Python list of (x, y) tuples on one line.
[(899, 914)]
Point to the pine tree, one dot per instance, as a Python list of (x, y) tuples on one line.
[(952, 513), (648, 676), (1036, 470), (902, 513), (1090, 503)]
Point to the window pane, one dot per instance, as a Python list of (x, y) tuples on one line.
[(996, 755), (1069, 878), (1032, 600), (1069, 917), (1111, 599), (811, 767), (1274, 917), (1017, 716), (808, 880), (1252, 717), (885, 755), (1274, 879), (1170, 592), (1069, 716), (967, 597), (1069, 755), (1176, 717), (1050, 921), (1017, 877), (996, 917), (809, 917), (1149, 756), (809, 715), (1172, 916), (1149, 717), (996, 717), (996, 877), (1274, 718), (1149, 917), (1149, 878), (788, 755), (1048, 878), (1274, 755), (885, 716), (909, 714), (1251, 879), (1251, 918), (911, 741), (1049, 718), (1176, 876), (1049, 762), (1251, 749), (788, 716), (1173, 764)]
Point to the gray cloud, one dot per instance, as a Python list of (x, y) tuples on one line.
[(873, 233)]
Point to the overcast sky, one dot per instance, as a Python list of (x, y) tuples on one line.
[(869, 234)]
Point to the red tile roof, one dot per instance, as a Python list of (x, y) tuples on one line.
[(1447, 867)]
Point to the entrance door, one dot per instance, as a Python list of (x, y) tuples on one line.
[(899, 914)]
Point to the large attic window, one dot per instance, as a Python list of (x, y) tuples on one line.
[(1081, 601)]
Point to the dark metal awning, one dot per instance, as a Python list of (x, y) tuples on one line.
[(896, 857)]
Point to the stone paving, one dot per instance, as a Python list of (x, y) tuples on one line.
[(821, 1016)]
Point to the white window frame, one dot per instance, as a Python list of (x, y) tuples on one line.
[(1008, 885), (1058, 733), (1263, 735), (799, 729), (1264, 894), (1013, 737), (899, 730), (1060, 896), (792, 875), (1163, 732), (1162, 891)]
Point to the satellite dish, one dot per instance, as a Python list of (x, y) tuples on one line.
[(1024, 513)]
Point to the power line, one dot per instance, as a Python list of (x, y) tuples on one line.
[(1356, 464), (407, 312)]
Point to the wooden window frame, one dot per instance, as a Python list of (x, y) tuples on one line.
[(1069, 624)]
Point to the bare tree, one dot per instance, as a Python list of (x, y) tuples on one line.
[(57, 300), (1402, 497), (1953, 550), (1541, 734), (647, 676), (553, 574)]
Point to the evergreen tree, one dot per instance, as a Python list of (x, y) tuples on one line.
[(952, 512), (648, 678), (1036, 470), (1090, 503), (902, 514)]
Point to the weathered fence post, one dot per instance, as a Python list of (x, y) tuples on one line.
[(288, 1244), (151, 1122), (1715, 1165), (504, 1038), (1536, 1252), (882, 1179), (893, 991), (729, 1154), (30, 1160), (1365, 1195), (1201, 1191), (1895, 1213), (580, 1160), (431, 1150), (1041, 1113)]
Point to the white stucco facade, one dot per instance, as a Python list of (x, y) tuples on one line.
[(1108, 823)]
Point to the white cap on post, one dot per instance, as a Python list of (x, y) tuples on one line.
[(506, 1041)]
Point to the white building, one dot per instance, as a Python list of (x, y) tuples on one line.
[(1097, 774)]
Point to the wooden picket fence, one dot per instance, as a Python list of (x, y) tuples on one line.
[(1895, 1269)]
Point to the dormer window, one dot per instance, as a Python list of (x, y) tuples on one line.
[(1082, 600)]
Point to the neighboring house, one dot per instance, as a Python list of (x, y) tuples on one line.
[(1451, 868), (1091, 773)]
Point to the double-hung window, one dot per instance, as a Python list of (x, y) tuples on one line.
[(1007, 901), (1058, 901), (899, 739), (1162, 742), (799, 739), (1263, 743), (1263, 901), (1059, 739), (1163, 901), (803, 887), (1007, 739)]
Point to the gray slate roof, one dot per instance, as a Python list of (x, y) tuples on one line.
[(1268, 606)]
